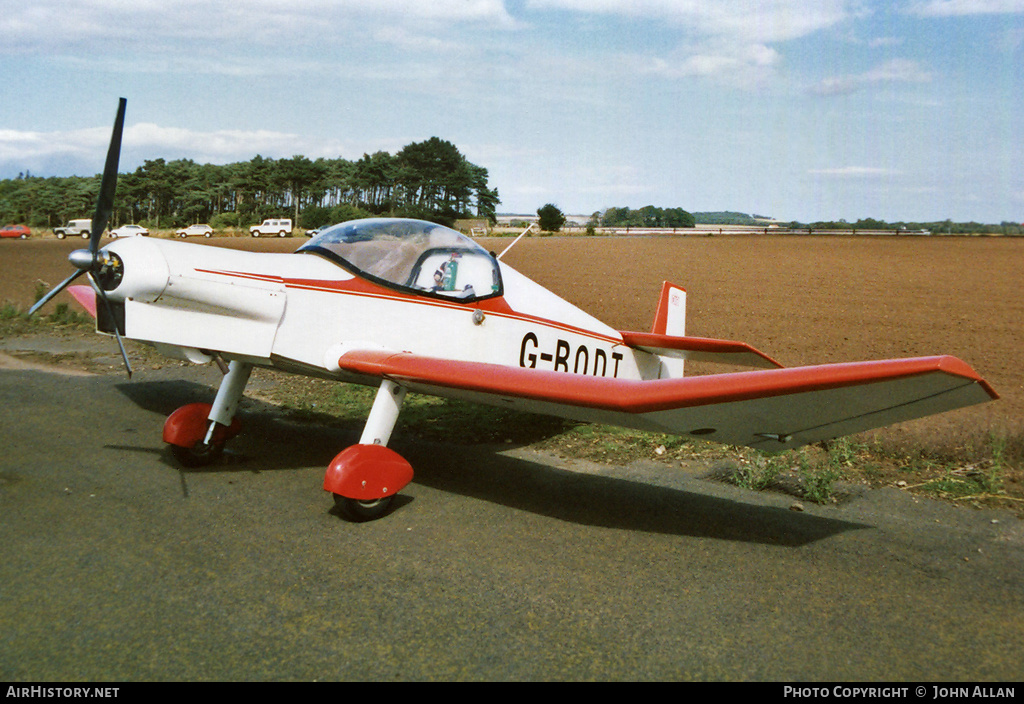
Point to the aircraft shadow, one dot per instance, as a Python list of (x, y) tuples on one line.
[(271, 442), (611, 502)]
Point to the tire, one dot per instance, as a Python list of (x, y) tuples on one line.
[(199, 455), (60, 235), (362, 511), (85, 235), (207, 234), (282, 233)]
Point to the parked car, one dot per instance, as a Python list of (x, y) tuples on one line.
[(282, 227), (81, 227), (19, 231), (313, 233), (129, 231), (195, 231)]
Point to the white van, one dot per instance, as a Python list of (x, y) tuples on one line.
[(74, 227), (279, 227)]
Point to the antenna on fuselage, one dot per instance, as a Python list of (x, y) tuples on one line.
[(521, 235)]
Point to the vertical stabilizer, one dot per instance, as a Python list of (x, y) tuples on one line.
[(670, 319)]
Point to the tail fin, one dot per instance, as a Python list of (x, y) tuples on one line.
[(670, 318)]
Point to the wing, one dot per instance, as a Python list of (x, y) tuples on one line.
[(774, 409)]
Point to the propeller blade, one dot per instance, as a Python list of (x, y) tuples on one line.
[(110, 311), (89, 261), (60, 287), (105, 202)]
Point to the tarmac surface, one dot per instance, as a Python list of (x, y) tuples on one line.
[(498, 563)]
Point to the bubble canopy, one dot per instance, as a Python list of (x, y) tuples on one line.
[(413, 255)]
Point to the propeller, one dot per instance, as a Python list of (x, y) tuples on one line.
[(103, 269)]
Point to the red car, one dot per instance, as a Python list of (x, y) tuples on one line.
[(19, 231)]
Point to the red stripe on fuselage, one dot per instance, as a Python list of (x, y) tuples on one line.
[(361, 287)]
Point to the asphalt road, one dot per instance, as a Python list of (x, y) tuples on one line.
[(497, 564)]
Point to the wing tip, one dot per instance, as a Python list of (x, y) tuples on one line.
[(85, 297), (957, 367)]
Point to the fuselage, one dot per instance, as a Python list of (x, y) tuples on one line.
[(300, 312)]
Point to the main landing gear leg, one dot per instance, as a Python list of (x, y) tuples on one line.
[(365, 477), (198, 432)]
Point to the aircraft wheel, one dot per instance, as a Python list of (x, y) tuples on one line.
[(361, 511), (199, 455)]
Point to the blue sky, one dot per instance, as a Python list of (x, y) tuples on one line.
[(796, 109)]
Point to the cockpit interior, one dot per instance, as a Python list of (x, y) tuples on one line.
[(412, 255)]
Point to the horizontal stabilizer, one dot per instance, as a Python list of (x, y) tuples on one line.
[(699, 349)]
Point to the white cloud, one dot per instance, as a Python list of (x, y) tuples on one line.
[(405, 39), (743, 65), (730, 41), (1011, 39), (21, 146), (219, 145), (750, 20), (855, 172), (56, 24), (892, 71), (953, 8), (898, 71), (885, 41), (225, 146), (85, 148)]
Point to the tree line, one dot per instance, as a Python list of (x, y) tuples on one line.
[(677, 217), (938, 227), (430, 180), (651, 216), (551, 218), (648, 216)]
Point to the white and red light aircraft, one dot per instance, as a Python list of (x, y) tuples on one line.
[(407, 305)]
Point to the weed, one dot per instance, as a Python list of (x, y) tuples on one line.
[(9, 311), (844, 452), (17, 320), (63, 315), (761, 472), (425, 417), (817, 482)]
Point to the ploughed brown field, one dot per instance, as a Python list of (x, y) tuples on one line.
[(802, 300)]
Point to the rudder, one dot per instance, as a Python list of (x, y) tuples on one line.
[(670, 318)]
